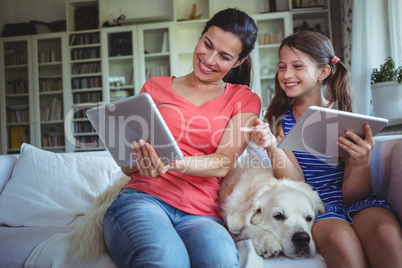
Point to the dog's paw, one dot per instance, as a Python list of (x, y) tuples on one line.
[(234, 223), (267, 245)]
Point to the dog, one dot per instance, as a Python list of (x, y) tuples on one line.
[(86, 240), (276, 214)]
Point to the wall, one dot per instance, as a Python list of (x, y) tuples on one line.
[(16, 11), (140, 10)]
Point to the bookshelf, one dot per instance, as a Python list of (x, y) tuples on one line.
[(17, 100), (48, 70), (48, 81), (154, 50), (85, 88), (120, 62), (272, 28)]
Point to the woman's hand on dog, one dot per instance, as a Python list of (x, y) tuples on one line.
[(261, 134), (148, 162)]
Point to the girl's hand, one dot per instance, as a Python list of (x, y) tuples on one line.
[(358, 149), (261, 134), (148, 162)]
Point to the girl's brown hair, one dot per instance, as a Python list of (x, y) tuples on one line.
[(321, 51)]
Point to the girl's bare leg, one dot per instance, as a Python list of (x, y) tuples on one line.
[(339, 244), (380, 234)]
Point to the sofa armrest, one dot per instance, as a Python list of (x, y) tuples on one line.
[(386, 170)]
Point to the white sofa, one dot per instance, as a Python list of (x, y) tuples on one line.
[(43, 196)]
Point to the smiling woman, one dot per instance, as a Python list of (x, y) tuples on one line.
[(176, 203)]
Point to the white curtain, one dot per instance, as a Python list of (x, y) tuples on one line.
[(375, 35), (395, 22), (360, 61)]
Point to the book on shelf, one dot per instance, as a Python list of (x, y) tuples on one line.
[(16, 59), (17, 137), (18, 113), (85, 53), (50, 84), (85, 68), (83, 127), (52, 138), (49, 56), (53, 112), (18, 86), (87, 142), (165, 44), (87, 97), (158, 70), (84, 39)]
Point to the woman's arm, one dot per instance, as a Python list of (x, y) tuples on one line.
[(129, 170), (218, 164), (357, 182), (284, 162)]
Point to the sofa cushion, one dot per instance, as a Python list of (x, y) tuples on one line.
[(52, 189), (17, 243), (7, 163)]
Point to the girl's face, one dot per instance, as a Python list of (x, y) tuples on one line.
[(298, 74), (215, 54)]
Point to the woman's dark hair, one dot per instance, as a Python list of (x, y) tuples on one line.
[(243, 27), (319, 48)]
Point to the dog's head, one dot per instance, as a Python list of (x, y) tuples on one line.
[(288, 210)]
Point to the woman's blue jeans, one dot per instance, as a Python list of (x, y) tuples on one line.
[(141, 230)]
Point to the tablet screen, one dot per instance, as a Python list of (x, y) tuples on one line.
[(318, 129), (121, 123)]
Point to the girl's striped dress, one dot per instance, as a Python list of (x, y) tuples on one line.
[(325, 175)]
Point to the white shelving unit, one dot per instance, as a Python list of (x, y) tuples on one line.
[(119, 61), (49, 74), (154, 50), (100, 65), (272, 28), (85, 87), (33, 95), (17, 100)]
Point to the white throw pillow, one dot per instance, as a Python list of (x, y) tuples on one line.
[(52, 189)]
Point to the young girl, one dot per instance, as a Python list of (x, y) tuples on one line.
[(167, 214), (358, 229)]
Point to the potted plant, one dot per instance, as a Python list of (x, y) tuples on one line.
[(386, 90)]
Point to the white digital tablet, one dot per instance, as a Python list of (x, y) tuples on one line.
[(318, 129), (122, 122)]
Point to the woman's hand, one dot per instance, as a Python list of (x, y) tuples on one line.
[(261, 134), (148, 162), (359, 149)]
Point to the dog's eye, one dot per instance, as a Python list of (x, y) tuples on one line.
[(279, 216), (309, 219)]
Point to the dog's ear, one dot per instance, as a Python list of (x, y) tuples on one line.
[(239, 218), (257, 217), (314, 197)]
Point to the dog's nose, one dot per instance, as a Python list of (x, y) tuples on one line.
[(301, 238)]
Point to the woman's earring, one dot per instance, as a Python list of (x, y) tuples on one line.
[(319, 81)]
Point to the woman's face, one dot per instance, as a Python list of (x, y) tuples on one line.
[(298, 74), (215, 54)]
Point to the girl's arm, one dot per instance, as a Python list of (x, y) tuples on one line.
[(284, 162), (218, 164), (357, 182)]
